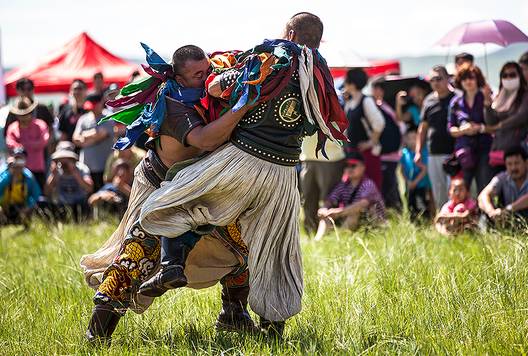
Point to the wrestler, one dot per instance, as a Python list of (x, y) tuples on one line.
[(130, 255), (253, 177)]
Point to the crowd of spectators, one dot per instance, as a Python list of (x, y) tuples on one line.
[(455, 140), (444, 144), (60, 165)]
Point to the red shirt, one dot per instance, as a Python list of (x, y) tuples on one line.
[(34, 138)]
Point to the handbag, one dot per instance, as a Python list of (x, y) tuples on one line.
[(451, 165), (496, 158), (465, 157)]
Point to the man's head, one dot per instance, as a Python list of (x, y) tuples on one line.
[(355, 79), (438, 77), (25, 87), (417, 94), (304, 28), (458, 191), (191, 66), (523, 62), (94, 103), (355, 166), (98, 82), (462, 59), (516, 165), (17, 160), (78, 90), (378, 91)]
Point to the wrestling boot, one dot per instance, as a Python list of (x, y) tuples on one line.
[(102, 324), (174, 252), (272, 329), (234, 315)]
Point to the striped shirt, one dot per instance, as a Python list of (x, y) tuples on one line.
[(345, 194)]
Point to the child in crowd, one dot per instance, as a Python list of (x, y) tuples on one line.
[(417, 183), (459, 213)]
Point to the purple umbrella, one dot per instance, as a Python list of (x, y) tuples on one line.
[(500, 32)]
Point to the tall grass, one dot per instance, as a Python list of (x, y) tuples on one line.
[(399, 289)]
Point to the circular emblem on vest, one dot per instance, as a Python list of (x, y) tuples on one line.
[(290, 110)]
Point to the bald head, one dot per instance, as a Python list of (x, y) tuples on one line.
[(304, 28)]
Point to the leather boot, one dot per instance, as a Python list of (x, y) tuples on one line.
[(272, 329), (173, 255), (234, 315), (102, 324)]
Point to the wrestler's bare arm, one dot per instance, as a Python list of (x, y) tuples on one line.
[(214, 134)]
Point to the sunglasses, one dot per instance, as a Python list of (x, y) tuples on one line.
[(470, 77), (509, 75), (436, 79)]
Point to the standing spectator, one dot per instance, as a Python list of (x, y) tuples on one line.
[(94, 140), (366, 124), (463, 59), (25, 89), (416, 181), (30, 133), (433, 129), (523, 62), (318, 176), (507, 114), (466, 125), (354, 201), (70, 112), (98, 84), (390, 140), (19, 191), (510, 188), (460, 213), (68, 184), (409, 106)]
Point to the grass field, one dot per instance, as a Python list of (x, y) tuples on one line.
[(402, 289)]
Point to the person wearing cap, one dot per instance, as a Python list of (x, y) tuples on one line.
[(19, 190), (95, 141), (69, 182), (30, 133), (354, 201)]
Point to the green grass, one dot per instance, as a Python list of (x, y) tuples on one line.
[(402, 289)]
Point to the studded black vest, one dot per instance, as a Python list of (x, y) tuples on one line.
[(274, 130)]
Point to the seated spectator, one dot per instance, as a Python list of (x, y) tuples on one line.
[(507, 193), (19, 190), (507, 115), (95, 140), (30, 133), (459, 213), (68, 184), (354, 201), (113, 196), (132, 156), (418, 186)]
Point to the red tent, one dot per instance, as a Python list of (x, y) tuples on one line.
[(373, 68), (80, 58)]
